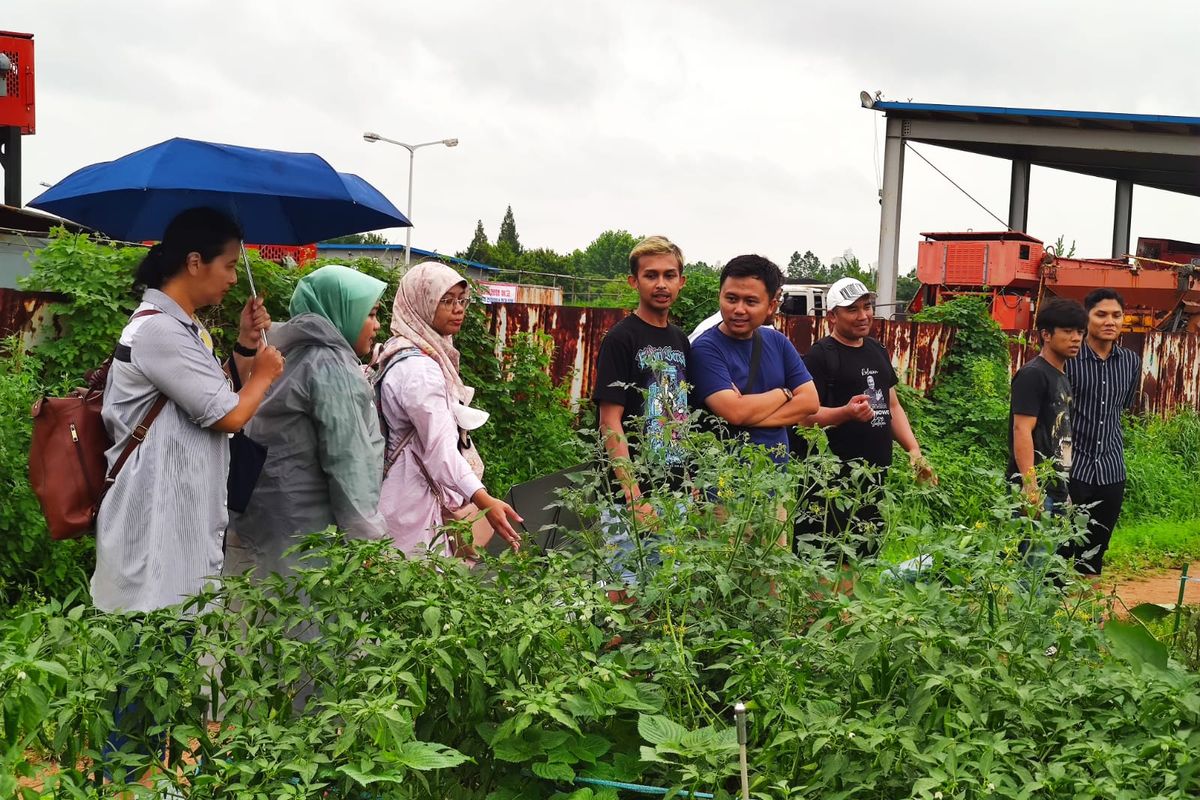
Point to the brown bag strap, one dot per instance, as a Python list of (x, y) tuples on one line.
[(139, 433), (135, 438)]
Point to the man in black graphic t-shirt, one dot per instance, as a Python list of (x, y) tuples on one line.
[(641, 371), (1040, 410), (860, 411)]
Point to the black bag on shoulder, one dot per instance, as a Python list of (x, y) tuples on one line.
[(246, 461)]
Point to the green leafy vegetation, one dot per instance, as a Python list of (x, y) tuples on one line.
[(414, 679), (986, 674)]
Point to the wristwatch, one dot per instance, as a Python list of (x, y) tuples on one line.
[(787, 393)]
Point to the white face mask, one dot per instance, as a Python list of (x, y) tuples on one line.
[(469, 418)]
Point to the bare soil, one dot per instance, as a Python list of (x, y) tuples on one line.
[(1155, 587)]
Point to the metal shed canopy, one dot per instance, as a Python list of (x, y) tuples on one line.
[(1162, 152)]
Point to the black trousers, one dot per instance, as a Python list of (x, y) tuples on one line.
[(1107, 499)]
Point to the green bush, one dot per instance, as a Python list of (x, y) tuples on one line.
[(1162, 457), (98, 281), (977, 679), (531, 431), (698, 299)]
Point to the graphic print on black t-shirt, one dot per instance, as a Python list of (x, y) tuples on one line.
[(1039, 390), (841, 372), (666, 401), (643, 368)]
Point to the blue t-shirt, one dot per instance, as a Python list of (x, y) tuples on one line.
[(718, 362)]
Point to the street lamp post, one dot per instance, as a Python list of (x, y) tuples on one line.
[(412, 152)]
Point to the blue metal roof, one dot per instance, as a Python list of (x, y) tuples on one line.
[(1047, 114), (1155, 150), (415, 250)]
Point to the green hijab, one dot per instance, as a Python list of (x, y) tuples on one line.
[(341, 295)]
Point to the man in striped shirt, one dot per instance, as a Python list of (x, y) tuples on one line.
[(1104, 379)]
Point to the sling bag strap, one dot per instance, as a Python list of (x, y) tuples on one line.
[(393, 456), (135, 438), (139, 433)]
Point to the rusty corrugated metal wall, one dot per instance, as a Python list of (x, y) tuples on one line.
[(1170, 361), (916, 348), (1170, 369), (27, 314)]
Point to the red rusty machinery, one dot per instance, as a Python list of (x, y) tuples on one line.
[(16, 96), (17, 111), (300, 254), (1002, 267), (1012, 271)]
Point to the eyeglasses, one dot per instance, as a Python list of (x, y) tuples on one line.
[(451, 302)]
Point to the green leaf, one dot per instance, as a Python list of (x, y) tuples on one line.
[(366, 779), (553, 771), (650, 754), (516, 750), (1151, 612), (590, 747), (865, 653), (429, 755), (1133, 643), (657, 729), (433, 619), (562, 718), (53, 667)]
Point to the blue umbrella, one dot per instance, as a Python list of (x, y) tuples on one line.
[(278, 197)]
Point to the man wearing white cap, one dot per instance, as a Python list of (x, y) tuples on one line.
[(860, 411)]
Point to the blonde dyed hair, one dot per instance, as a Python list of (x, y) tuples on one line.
[(653, 246)]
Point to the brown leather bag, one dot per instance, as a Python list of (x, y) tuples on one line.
[(67, 467)]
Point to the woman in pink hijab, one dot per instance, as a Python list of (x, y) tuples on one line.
[(432, 472)]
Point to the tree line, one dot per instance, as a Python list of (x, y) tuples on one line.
[(606, 258)]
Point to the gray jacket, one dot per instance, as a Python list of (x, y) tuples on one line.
[(324, 450)]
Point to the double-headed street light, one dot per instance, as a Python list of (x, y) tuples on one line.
[(412, 150)]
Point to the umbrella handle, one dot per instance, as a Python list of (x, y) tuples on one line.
[(250, 279)]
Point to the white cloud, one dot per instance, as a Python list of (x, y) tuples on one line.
[(730, 127)]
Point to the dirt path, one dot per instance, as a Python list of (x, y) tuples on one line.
[(1158, 587)]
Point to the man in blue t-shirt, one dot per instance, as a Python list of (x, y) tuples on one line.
[(780, 393)]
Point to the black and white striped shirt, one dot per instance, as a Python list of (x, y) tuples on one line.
[(1103, 388)]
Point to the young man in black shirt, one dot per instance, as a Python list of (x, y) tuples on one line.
[(1104, 379), (1040, 408), (860, 411), (640, 373)]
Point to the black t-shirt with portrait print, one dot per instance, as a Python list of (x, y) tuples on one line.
[(1039, 390), (840, 372), (643, 368)]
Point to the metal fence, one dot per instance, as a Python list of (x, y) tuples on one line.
[(1170, 377), (1170, 361), (917, 348)]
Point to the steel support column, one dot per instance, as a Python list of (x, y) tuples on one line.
[(890, 198), (10, 159), (1018, 197), (1122, 218)]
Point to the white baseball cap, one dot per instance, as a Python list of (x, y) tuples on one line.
[(844, 292)]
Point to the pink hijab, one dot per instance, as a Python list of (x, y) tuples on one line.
[(417, 298)]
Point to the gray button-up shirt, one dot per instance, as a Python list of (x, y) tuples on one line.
[(160, 531)]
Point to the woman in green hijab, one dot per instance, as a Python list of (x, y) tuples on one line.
[(319, 425)]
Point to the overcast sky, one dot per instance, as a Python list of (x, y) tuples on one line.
[(730, 127)]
